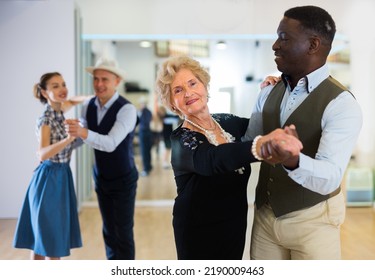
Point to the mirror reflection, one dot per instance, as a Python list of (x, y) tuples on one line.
[(236, 66)]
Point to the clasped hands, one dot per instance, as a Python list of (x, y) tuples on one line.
[(74, 128), (281, 146)]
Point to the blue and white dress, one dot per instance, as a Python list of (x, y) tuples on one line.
[(48, 223)]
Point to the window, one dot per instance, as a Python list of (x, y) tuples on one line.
[(196, 48)]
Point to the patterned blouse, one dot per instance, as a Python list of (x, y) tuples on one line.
[(55, 120)]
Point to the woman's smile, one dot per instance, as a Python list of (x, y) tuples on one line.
[(191, 101)]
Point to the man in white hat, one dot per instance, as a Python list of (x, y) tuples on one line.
[(107, 124)]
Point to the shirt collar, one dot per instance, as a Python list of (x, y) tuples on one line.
[(56, 115), (109, 102), (313, 79)]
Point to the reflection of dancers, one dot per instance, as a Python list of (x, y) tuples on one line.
[(156, 127), (170, 122), (145, 137)]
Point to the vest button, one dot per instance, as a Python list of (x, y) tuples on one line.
[(271, 179), (268, 193)]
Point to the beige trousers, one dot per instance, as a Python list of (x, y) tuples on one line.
[(309, 234)]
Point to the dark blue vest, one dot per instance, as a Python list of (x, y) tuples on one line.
[(120, 162)]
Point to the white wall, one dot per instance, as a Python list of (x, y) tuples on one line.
[(166, 16), (163, 17), (359, 24), (36, 37)]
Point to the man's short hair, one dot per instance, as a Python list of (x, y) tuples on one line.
[(315, 19)]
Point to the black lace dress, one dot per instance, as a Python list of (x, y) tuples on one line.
[(210, 210)]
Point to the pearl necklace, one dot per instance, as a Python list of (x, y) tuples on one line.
[(211, 135)]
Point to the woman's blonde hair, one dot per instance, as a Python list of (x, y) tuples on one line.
[(167, 73)]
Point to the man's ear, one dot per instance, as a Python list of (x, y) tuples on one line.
[(118, 80), (315, 43)]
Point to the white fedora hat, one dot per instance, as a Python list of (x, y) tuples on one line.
[(107, 64)]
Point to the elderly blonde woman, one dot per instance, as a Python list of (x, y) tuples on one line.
[(211, 165)]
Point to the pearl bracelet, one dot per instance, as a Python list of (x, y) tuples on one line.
[(254, 148)]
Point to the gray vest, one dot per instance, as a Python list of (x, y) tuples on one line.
[(274, 184)]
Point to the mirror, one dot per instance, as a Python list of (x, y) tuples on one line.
[(236, 66)]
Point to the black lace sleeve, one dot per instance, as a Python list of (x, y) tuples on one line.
[(191, 152)]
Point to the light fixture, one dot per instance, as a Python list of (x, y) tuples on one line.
[(145, 44), (221, 45)]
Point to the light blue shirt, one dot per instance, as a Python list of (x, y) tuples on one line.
[(126, 119), (341, 124)]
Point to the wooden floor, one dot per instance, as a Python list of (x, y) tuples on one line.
[(153, 225)]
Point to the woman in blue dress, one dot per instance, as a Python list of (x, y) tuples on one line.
[(48, 224)]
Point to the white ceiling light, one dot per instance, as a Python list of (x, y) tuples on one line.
[(221, 45), (145, 44)]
